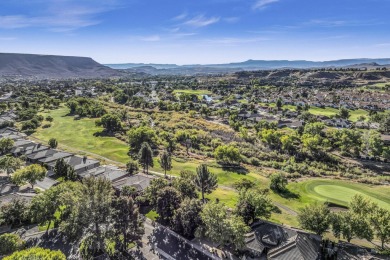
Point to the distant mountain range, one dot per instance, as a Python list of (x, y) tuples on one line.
[(51, 66), (261, 64)]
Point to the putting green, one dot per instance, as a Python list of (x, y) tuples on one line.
[(341, 192)]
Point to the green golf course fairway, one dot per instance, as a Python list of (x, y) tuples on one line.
[(341, 192)]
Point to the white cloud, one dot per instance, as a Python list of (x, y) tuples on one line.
[(201, 21), (261, 4), (231, 19), (61, 15), (180, 17), (234, 41)]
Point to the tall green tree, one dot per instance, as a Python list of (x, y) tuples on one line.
[(110, 122), (54, 203), (168, 200), (205, 181), (380, 221), (132, 167), (91, 214), (278, 182), (30, 174), (14, 213), (155, 186), (252, 205), (220, 227), (127, 224), (165, 162), (6, 145), (348, 225), (140, 135), (315, 218), (145, 157), (185, 185), (227, 154), (53, 143), (344, 113), (187, 218), (10, 164), (63, 169)]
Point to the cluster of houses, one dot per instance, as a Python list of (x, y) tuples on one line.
[(36, 153), (348, 98), (7, 118)]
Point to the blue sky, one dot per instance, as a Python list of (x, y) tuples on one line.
[(197, 31)]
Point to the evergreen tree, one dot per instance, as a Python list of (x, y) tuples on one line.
[(205, 181), (145, 157)]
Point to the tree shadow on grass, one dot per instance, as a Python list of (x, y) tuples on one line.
[(286, 194), (236, 169), (103, 134)]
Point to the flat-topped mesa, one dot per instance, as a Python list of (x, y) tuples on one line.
[(52, 66)]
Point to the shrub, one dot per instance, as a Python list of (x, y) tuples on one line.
[(10, 243)]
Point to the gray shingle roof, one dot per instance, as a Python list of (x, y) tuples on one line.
[(109, 172), (140, 182), (77, 162)]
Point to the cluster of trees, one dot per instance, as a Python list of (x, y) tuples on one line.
[(312, 139), (110, 122), (364, 219), (86, 107), (33, 123), (89, 212), (178, 207)]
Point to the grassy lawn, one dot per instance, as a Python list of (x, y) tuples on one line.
[(355, 114), (328, 111), (79, 135), (225, 177), (152, 215)]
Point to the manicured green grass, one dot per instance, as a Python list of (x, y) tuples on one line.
[(193, 91), (355, 114), (225, 177), (152, 215), (337, 192), (328, 111), (79, 135), (226, 196)]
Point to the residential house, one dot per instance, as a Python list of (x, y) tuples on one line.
[(26, 147), (111, 173), (79, 164), (281, 243), (140, 182), (43, 156)]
